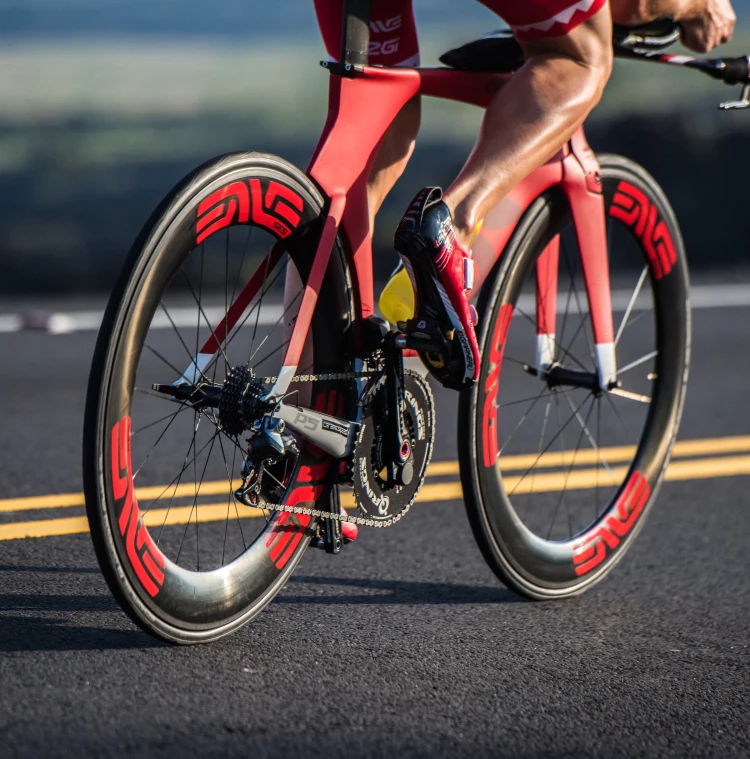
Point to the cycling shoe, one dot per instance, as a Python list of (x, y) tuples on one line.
[(440, 270)]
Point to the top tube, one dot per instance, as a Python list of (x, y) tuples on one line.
[(355, 36)]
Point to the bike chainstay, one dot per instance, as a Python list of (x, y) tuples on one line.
[(319, 513)]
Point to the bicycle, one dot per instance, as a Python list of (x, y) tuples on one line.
[(302, 389)]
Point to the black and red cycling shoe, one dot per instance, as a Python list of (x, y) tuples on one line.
[(441, 271)]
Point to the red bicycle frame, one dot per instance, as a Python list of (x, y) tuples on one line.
[(363, 102)]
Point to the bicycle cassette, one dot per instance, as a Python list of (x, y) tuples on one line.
[(379, 497)]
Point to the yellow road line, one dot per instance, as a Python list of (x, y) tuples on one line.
[(557, 460), (612, 455), (42, 528), (581, 479), (68, 500)]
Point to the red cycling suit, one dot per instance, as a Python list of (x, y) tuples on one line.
[(393, 32)]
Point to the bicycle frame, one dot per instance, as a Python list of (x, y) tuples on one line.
[(363, 102)]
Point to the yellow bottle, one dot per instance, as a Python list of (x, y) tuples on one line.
[(397, 299)]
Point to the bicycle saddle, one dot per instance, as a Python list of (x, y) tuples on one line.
[(498, 51)]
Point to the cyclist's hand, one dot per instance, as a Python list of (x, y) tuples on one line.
[(712, 25)]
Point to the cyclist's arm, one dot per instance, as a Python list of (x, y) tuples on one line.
[(705, 23)]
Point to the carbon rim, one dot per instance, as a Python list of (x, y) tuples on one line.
[(198, 565), (559, 508)]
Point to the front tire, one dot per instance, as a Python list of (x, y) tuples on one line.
[(554, 522)]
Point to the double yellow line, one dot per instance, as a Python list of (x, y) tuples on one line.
[(572, 470)]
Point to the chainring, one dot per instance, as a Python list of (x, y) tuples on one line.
[(375, 498)]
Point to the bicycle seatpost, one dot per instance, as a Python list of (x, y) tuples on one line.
[(355, 40)]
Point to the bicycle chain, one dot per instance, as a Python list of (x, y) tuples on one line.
[(318, 513), (323, 377)]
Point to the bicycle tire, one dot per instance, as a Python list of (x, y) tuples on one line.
[(192, 607), (541, 568)]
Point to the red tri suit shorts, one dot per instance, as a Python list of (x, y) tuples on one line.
[(393, 32)]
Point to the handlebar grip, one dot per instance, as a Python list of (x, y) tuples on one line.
[(736, 70)]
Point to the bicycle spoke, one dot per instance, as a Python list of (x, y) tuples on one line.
[(533, 322), (231, 496), (561, 498), (567, 310), (541, 437), (177, 477), (617, 413), (635, 319), (637, 362), (631, 304), (242, 263), (260, 304), (202, 313), (273, 329), (195, 507), (546, 448), (164, 360), (184, 345), (158, 421), (236, 330), (516, 403), (545, 391), (578, 304), (158, 440), (177, 481), (585, 429)]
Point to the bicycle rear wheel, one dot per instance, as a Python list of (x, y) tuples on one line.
[(557, 479), (185, 559)]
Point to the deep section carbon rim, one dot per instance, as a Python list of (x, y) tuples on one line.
[(565, 473), (196, 559)]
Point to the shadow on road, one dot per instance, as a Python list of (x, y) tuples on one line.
[(29, 632), (398, 592)]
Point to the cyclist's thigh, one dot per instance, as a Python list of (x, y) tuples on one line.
[(393, 31), (539, 19)]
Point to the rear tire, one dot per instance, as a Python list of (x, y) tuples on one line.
[(157, 592), (539, 557)]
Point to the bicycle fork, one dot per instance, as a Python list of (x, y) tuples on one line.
[(582, 185)]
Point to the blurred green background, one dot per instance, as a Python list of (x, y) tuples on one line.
[(105, 105)]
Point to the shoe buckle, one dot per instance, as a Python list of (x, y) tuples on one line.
[(468, 273)]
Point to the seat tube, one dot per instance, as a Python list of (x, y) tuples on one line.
[(355, 38)]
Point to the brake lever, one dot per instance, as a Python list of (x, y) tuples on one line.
[(743, 102)]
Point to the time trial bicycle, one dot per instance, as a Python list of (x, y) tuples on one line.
[(243, 387)]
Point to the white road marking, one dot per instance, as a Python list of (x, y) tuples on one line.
[(61, 323)]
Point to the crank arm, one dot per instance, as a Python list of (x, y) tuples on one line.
[(333, 435)]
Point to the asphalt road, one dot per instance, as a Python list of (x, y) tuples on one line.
[(404, 645)]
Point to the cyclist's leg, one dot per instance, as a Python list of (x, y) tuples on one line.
[(542, 105), (568, 45), (393, 42)]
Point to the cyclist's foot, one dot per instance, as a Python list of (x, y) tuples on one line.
[(440, 271), (349, 530)]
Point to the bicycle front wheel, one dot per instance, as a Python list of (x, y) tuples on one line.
[(186, 560), (558, 479)]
